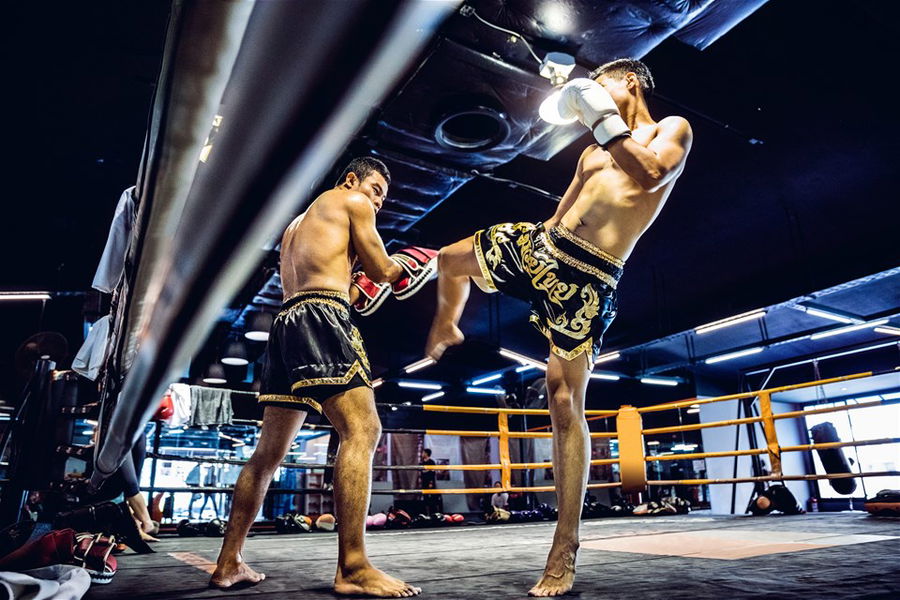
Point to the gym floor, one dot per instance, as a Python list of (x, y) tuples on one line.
[(838, 555)]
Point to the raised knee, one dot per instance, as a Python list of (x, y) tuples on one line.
[(453, 260), (445, 259)]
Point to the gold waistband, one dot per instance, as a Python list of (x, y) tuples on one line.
[(330, 293), (582, 266), (339, 300), (588, 246)]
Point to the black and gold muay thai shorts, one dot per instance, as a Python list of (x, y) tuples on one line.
[(314, 352), (569, 282)]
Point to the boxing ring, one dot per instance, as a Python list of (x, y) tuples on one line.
[(633, 458), (693, 556)]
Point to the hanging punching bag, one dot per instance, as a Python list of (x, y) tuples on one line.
[(833, 459)]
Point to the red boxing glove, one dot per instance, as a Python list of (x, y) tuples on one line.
[(371, 294), (420, 265)]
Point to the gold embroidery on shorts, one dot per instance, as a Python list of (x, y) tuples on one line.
[(589, 247), (356, 342), (542, 270), (290, 399), (355, 368), (580, 265), (485, 272), (579, 325), (497, 235), (585, 346)]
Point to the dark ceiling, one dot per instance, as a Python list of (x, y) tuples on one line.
[(749, 225)]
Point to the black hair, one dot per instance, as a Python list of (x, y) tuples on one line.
[(427, 451), (621, 66), (363, 166)]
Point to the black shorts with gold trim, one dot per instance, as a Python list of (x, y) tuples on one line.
[(314, 352), (569, 282)]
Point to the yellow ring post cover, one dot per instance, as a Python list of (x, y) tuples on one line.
[(632, 467)]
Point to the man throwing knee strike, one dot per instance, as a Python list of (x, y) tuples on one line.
[(567, 268), (315, 359)]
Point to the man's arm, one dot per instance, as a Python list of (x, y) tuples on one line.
[(659, 162), (568, 199), (369, 248)]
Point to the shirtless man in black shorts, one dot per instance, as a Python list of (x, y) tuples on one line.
[(567, 268), (315, 360)]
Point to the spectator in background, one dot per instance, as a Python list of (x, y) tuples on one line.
[(500, 499), (428, 481), (193, 480)]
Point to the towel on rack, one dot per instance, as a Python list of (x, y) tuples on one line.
[(210, 406)]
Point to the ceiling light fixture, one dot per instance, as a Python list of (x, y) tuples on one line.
[(659, 381), (888, 329), (433, 396), (485, 391), (607, 357), (235, 354), (684, 447), (24, 295), (524, 368), (732, 355), (486, 378), (215, 374), (741, 318), (830, 314), (419, 385), (377, 382), (606, 376), (840, 330), (522, 359), (258, 325)]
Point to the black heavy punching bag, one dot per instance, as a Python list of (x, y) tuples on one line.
[(833, 459)]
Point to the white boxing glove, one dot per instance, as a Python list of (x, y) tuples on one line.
[(594, 107)]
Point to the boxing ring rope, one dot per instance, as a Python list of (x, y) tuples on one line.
[(287, 119), (767, 419), (632, 458)]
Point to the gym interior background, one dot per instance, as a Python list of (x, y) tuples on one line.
[(775, 264)]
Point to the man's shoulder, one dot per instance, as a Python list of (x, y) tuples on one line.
[(339, 204), (350, 201), (673, 123)]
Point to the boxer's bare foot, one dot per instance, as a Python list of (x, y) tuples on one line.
[(229, 573), (369, 581), (441, 337), (559, 574)]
